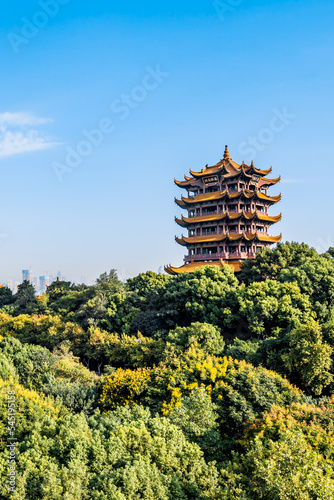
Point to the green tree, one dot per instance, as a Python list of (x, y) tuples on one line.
[(270, 262), (145, 283), (246, 394), (31, 362), (7, 369), (6, 296), (208, 337), (150, 458), (68, 301), (57, 289), (76, 396), (120, 455), (285, 454), (308, 361), (25, 300), (143, 296), (271, 306), (243, 350), (294, 262), (288, 468), (58, 374), (45, 330), (135, 350), (110, 282), (331, 251), (202, 296), (197, 417)]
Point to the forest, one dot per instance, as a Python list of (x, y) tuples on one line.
[(205, 386)]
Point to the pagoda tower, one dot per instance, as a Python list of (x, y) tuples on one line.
[(227, 216)]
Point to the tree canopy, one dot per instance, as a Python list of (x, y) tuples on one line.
[(205, 386)]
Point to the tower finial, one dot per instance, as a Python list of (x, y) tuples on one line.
[(226, 153)]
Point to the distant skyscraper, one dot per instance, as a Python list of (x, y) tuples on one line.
[(27, 275), (44, 282)]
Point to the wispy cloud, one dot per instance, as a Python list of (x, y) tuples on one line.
[(22, 119), (17, 135), (292, 181)]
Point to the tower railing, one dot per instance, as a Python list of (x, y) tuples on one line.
[(230, 231), (234, 211), (216, 256)]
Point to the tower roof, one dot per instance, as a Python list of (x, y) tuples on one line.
[(186, 221), (226, 167), (186, 240), (219, 195), (192, 266)]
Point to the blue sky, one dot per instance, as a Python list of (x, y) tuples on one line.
[(200, 75)]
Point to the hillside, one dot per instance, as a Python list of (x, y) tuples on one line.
[(199, 386)]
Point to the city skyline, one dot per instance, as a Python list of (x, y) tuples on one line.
[(39, 282), (91, 138)]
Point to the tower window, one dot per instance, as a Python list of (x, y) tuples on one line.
[(207, 230)]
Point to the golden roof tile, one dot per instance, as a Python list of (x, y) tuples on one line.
[(184, 184), (273, 199), (216, 195), (190, 268), (204, 218), (269, 239), (184, 221), (185, 240), (265, 181), (181, 222)]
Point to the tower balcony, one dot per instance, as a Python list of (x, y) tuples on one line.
[(228, 231), (216, 256)]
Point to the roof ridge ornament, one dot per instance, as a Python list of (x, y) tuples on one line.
[(226, 153)]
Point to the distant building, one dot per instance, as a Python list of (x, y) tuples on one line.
[(227, 216), (27, 276), (44, 282)]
